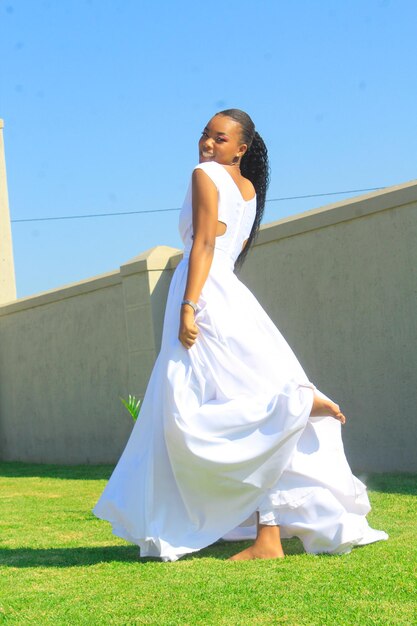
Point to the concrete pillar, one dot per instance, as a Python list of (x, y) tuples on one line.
[(146, 280), (7, 276)]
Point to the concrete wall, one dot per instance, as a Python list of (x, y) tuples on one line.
[(340, 283), (67, 355)]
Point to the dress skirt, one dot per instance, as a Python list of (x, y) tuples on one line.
[(224, 431)]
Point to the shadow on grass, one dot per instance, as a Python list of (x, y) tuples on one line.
[(16, 469), (66, 557), (80, 557), (405, 484)]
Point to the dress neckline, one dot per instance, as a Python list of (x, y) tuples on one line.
[(235, 183)]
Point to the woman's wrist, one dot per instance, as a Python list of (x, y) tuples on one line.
[(186, 312), (189, 303)]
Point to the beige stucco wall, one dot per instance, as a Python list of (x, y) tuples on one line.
[(66, 356), (340, 283)]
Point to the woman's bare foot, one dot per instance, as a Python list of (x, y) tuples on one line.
[(267, 546), (323, 407), (255, 553)]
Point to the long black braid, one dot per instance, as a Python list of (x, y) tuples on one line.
[(255, 166)]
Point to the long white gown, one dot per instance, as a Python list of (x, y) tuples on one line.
[(224, 427)]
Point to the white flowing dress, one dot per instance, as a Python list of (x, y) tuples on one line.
[(224, 428)]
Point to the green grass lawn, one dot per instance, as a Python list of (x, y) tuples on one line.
[(59, 564)]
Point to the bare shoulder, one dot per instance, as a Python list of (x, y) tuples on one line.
[(245, 186)]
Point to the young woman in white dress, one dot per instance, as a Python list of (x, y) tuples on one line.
[(230, 426)]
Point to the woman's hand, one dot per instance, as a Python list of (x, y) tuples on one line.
[(188, 328)]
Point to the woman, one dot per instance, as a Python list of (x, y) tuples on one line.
[(230, 425)]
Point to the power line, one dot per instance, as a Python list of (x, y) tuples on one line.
[(91, 215), (77, 217), (330, 193)]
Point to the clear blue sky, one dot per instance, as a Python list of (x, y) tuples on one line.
[(104, 101)]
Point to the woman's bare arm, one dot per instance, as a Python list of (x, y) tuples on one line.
[(205, 213), (204, 230)]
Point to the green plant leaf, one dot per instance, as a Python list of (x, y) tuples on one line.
[(132, 405)]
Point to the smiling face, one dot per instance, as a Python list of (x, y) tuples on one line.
[(221, 141)]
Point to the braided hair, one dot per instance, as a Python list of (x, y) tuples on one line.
[(254, 165)]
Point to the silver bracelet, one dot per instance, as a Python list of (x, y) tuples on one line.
[(191, 303)]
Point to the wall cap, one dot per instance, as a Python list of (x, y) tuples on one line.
[(102, 281), (158, 258), (342, 211)]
